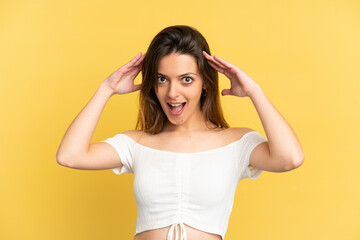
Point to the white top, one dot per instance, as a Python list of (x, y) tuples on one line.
[(197, 188)]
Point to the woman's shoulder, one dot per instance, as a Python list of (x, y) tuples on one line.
[(225, 135), (237, 132), (231, 131), (134, 134)]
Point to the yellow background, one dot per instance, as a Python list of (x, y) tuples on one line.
[(54, 55)]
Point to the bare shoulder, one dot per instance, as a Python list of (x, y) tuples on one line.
[(236, 133), (134, 134)]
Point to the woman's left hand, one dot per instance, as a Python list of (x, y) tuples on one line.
[(241, 84)]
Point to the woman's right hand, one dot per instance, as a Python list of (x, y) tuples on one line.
[(122, 80)]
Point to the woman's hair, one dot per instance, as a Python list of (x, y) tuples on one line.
[(179, 39)]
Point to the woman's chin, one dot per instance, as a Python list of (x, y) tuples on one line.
[(177, 121)]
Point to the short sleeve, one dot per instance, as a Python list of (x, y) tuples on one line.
[(125, 148), (250, 141)]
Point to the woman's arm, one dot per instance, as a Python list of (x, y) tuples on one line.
[(284, 146), (283, 152), (76, 141)]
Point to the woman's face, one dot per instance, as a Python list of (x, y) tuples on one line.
[(179, 83)]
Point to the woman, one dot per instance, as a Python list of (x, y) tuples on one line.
[(186, 160)]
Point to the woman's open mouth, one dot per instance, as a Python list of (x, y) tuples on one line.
[(176, 108)]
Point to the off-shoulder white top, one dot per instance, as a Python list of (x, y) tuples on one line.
[(197, 188)]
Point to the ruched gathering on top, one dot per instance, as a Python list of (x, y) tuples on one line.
[(197, 188)]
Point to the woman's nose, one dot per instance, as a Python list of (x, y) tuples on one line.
[(173, 90)]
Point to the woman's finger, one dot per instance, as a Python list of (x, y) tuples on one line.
[(216, 67), (132, 61), (140, 60), (218, 64), (222, 61), (137, 87), (210, 58), (128, 66), (225, 92)]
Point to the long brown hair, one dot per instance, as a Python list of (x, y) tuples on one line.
[(179, 39)]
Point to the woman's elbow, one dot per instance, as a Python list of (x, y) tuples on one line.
[(298, 161)]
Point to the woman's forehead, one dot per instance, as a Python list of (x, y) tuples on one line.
[(177, 64)]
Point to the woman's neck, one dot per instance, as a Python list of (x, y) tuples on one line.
[(189, 128)]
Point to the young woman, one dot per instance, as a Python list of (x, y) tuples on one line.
[(185, 158)]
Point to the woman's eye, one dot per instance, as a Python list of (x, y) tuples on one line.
[(188, 80), (160, 79)]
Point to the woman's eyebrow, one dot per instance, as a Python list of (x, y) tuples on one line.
[(179, 75)]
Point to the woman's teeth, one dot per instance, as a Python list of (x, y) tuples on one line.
[(177, 108)]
